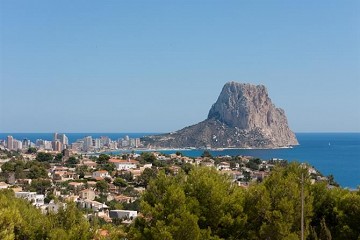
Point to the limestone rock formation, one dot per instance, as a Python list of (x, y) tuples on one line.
[(242, 117)]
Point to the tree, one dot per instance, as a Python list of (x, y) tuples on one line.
[(274, 207), (146, 176), (69, 223), (110, 167), (126, 175), (40, 185), (253, 164), (119, 182), (58, 157), (103, 159), (72, 161), (44, 157), (206, 154), (178, 153), (332, 181), (102, 186), (37, 171), (187, 167), (148, 157), (8, 166), (325, 233), (201, 205), (31, 150), (19, 219), (81, 170)]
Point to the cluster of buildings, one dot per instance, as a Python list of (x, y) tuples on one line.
[(60, 142), (67, 185), (90, 144), (13, 144)]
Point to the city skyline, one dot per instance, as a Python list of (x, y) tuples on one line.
[(158, 67), (59, 142)]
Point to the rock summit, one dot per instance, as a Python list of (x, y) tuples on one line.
[(242, 117)]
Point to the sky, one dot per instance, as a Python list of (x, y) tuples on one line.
[(158, 66)]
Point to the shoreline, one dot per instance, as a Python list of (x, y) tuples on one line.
[(181, 149)]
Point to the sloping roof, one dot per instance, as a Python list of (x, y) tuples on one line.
[(115, 160), (101, 171)]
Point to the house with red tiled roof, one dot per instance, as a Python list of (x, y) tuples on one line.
[(90, 164), (124, 164), (123, 199)]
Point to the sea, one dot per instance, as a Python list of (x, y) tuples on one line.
[(331, 153)]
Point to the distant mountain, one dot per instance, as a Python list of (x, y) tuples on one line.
[(242, 117)]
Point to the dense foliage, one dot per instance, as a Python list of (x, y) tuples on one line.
[(205, 205), (20, 220), (201, 203)]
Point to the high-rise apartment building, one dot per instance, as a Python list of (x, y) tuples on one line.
[(63, 139), (97, 143), (137, 142), (10, 144), (17, 145), (55, 136), (26, 143), (48, 145), (88, 143), (105, 141), (57, 146)]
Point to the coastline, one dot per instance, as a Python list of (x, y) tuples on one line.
[(183, 149)]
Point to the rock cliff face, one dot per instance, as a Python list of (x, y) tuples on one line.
[(242, 117)]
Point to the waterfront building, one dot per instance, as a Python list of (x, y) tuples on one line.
[(137, 142), (113, 145), (63, 139), (77, 146), (39, 143), (105, 141), (2, 143), (88, 143), (124, 143), (26, 143), (97, 143), (55, 136), (57, 146), (132, 142), (17, 145), (48, 145), (10, 145)]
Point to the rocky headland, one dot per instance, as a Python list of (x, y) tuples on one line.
[(242, 117)]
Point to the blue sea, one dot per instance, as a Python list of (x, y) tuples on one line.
[(331, 153)]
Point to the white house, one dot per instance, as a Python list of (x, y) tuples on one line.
[(124, 164), (94, 205), (224, 166), (100, 174), (36, 199), (123, 214)]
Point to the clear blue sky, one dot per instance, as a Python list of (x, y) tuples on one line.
[(158, 66)]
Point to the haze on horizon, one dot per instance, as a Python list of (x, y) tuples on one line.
[(144, 66)]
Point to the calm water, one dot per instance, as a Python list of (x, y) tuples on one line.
[(331, 153)]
